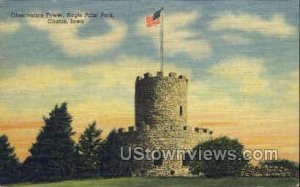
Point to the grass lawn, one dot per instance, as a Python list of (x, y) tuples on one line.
[(169, 182)]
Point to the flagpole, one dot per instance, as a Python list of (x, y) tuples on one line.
[(162, 41)]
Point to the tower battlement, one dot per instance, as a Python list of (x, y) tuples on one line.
[(197, 130), (159, 75), (146, 128)]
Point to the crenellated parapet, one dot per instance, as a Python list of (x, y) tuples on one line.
[(159, 76), (192, 136), (129, 130), (198, 130), (202, 130), (134, 129), (121, 130)]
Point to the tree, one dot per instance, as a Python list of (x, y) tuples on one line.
[(276, 167), (9, 163), (111, 164), (53, 155), (88, 149), (220, 157)]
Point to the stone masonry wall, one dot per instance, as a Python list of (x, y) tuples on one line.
[(150, 137), (161, 119), (160, 99)]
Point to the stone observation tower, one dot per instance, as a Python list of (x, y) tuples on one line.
[(161, 101), (161, 124)]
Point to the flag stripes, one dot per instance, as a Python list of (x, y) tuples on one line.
[(151, 22)]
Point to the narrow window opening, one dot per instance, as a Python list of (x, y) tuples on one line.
[(181, 110)]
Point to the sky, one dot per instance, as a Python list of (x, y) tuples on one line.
[(241, 58)]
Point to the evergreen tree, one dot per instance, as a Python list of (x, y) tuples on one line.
[(87, 148), (53, 155), (8, 162), (111, 164)]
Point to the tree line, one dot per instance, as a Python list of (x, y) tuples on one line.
[(56, 156)]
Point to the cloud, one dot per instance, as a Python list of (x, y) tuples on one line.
[(235, 39), (36, 78), (293, 86), (275, 27), (178, 38), (3, 110), (9, 27), (123, 72), (106, 95), (66, 36), (108, 112), (254, 126), (245, 71), (108, 75), (290, 86), (222, 114), (101, 91)]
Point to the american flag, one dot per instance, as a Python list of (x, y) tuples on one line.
[(153, 19)]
